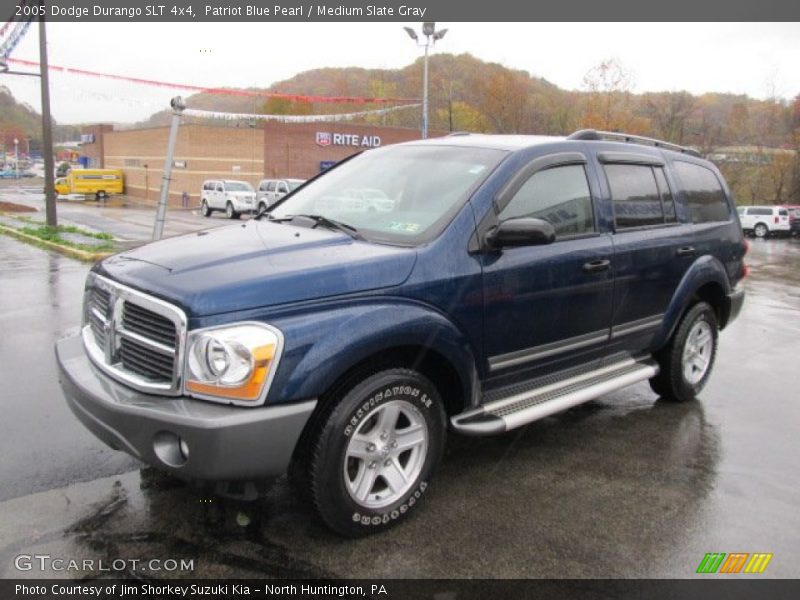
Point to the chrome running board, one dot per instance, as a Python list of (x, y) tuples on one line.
[(533, 404)]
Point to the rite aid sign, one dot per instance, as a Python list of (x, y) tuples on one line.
[(325, 138)]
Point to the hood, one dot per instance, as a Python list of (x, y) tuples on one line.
[(257, 264)]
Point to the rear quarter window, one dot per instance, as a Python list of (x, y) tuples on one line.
[(704, 195), (761, 212)]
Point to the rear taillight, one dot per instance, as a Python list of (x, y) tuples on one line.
[(777, 219), (745, 270)]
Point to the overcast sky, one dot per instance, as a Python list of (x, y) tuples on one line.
[(750, 58)]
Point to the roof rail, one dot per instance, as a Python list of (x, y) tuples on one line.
[(457, 133), (593, 134)]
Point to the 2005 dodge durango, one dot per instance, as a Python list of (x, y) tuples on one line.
[(506, 278)]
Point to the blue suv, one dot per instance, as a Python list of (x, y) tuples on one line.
[(504, 278)]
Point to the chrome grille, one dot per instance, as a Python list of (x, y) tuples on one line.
[(99, 300), (140, 359), (148, 324), (134, 337)]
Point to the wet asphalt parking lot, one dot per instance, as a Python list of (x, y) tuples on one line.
[(624, 486)]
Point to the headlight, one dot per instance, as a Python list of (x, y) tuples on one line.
[(232, 363)]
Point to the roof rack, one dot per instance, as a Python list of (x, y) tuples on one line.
[(593, 134)]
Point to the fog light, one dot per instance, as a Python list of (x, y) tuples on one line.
[(170, 449), (184, 448)]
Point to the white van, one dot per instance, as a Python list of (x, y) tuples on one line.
[(232, 197), (763, 221)]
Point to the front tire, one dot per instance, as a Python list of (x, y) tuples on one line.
[(761, 230), (229, 212), (374, 455), (204, 210), (687, 360)]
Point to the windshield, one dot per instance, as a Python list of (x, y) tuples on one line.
[(398, 194), (295, 183), (238, 186)]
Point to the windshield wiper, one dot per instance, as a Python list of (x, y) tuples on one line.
[(325, 222)]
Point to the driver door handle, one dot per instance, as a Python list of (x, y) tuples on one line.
[(596, 266), (686, 251)]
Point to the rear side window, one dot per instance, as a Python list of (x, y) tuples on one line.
[(636, 197), (783, 213), (559, 195), (760, 212), (271, 186), (707, 201)]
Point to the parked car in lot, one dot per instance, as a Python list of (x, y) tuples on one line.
[(272, 190), (794, 218), (513, 277), (763, 221), (231, 196)]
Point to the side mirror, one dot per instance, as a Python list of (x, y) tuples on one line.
[(521, 231)]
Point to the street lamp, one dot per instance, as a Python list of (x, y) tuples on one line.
[(431, 37), (16, 158)]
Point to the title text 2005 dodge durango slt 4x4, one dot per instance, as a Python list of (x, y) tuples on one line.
[(510, 278)]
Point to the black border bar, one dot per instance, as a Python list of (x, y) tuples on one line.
[(409, 11), (702, 588)]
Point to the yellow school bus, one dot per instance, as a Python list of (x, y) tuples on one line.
[(100, 182)]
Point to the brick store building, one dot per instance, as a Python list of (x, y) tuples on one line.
[(269, 150)]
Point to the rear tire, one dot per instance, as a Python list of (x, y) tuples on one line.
[(374, 454), (687, 360), (204, 210), (100, 196)]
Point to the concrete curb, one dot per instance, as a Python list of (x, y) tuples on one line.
[(68, 251)]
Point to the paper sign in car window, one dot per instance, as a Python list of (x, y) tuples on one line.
[(404, 227)]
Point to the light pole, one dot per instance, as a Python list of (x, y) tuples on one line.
[(431, 37), (178, 105), (16, 158)]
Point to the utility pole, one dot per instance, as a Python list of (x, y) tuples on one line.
[(47, 133), (178, 105)]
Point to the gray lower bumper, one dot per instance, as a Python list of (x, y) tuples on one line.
[(224, 442)]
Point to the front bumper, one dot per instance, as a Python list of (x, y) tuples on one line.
[(224, 442)]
